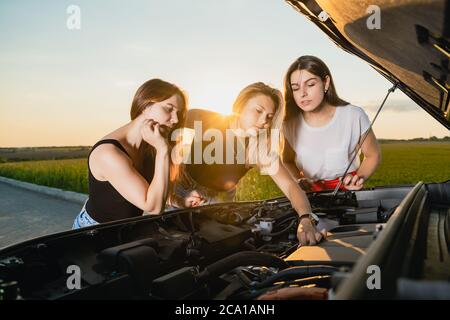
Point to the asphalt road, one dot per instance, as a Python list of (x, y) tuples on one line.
[(26, 214)]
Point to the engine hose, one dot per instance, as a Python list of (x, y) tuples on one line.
[(288, 219), (243, 258), (296, 272), (256, 292), (243, 277), (284, 230)]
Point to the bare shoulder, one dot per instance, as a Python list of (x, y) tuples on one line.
[(107, 158)]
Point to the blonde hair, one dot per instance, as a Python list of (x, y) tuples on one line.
[(276, 96)]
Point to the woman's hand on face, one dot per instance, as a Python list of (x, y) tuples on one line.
[(307, 234), (193, 199), (151, 134), (353, 182)]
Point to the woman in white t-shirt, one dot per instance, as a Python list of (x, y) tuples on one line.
[(322, 131)]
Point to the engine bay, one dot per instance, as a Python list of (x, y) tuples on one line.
[(245, 250)]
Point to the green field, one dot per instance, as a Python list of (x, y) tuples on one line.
[(43, 153), (403, 163), (67, 174)]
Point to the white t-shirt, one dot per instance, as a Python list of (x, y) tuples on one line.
[(323, 153)]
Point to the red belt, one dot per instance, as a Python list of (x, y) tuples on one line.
[(322, 185)]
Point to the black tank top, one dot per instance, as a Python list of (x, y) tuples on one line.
[(105, 203), (220, 177)]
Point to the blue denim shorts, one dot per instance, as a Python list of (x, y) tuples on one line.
[(83, 219)]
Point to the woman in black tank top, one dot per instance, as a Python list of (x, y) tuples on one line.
[(130, 168)]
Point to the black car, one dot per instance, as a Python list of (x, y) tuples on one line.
[(388, 242)]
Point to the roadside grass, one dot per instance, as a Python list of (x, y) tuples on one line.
[(402, 163), (67, 174)]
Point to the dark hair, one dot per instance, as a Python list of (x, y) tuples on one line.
[(152, 91), (317, 67)]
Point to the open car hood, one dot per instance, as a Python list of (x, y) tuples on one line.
[(411, 47)]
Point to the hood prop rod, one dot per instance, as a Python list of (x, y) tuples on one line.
[(359, 145)]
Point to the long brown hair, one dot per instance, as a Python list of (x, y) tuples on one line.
[(157, 90), (153, 91), (317, 67)]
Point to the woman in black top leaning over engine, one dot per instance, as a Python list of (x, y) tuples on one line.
[(129, 168), (216, 159)]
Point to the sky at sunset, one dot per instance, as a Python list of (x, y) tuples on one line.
[(71, 87)]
